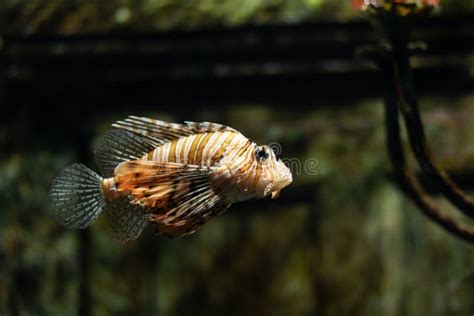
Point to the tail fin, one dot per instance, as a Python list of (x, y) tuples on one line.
[(77, 196)]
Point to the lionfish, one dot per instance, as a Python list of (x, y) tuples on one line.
[(172, 176)]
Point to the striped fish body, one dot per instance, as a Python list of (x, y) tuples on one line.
[(205, 149), (173, 176)]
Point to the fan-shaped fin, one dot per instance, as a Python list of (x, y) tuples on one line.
[(186, 227), (178, 195), (77, 197), (126, 220), (118, 146)]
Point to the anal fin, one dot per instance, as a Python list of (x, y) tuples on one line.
[(126, 220)]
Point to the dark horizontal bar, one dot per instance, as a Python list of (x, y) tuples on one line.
[(302, 64), (433, 23), (177, 34), (305, 89), (329, 40)]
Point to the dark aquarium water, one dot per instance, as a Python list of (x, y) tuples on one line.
[(306, 77)]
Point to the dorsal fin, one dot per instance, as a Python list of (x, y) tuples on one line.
[(206, 127), (165, 131), (136, 136), (118, 146)]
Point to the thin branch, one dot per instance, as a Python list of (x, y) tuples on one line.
[(407, 179), (429, 207), (408, 105)]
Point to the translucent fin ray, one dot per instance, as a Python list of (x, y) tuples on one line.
[(118, 146), (165, 131), (189, 226), (76, 196), (126, 220), (178, 196)]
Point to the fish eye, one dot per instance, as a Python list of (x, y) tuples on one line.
[(261, 153)]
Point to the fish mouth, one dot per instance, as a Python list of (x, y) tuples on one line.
[(280, 185), (273, 188)]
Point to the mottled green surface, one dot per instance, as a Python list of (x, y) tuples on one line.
[(354, 246), (78, 16)]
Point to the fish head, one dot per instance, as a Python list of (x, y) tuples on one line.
[(275, 175)]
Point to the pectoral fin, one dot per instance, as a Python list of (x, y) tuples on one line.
[(176, 194)]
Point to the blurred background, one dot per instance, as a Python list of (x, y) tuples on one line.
[(341, 240)]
